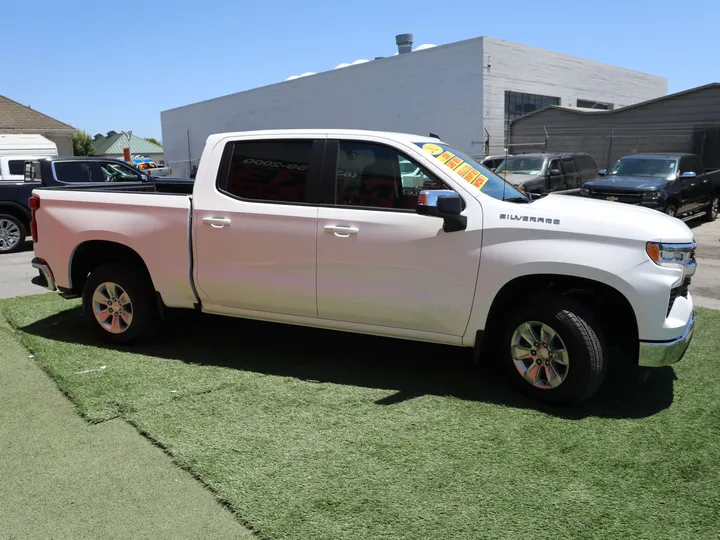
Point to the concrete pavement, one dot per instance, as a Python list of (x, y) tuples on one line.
[(16, 273)]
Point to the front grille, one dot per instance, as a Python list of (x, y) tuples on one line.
[(631, 197), (680, 290)]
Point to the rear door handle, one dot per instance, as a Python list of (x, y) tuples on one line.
[(341, 232), (217, 223)]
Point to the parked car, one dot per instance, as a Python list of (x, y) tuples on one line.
[(152, 169), (315, 228), (547, 173), (492, 162), (677, 184), (58, 171)]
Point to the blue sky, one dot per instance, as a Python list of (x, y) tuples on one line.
[(115, 65)]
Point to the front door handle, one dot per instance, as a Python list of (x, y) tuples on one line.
[(341, 232), (217, 223)]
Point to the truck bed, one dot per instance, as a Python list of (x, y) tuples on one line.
[(155, 227)]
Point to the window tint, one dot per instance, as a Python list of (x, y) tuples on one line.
[(72, 171), (696, 165), (269, 170), (554, 164), (585, 163), (16, 166), (377, 176), (568, 166)]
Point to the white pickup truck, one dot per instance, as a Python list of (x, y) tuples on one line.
[(319, 228)]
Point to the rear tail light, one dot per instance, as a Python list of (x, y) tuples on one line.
[(34, 204)]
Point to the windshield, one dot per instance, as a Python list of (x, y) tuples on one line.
[(472, 172), (521, 165), (646, 168)]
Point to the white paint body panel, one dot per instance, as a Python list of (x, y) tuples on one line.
[(401, 275)]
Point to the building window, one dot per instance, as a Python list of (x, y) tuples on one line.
[(518, 104), (588, 104)]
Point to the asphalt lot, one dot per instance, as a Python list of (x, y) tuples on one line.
[(16, 272)]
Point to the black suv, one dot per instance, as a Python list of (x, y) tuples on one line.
[(548, 173)]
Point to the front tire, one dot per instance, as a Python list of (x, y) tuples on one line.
[(671, 210), (118, 303), (552, 350), (12, 234), (712, 212)]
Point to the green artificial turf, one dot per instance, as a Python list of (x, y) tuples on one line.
[(308, 434)]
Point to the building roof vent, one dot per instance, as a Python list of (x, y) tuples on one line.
[(424, 46), (292, 77), (343, 65), (404, 43), (307, 74)]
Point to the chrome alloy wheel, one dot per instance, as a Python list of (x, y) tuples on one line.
[(540, 355), (714, 207), (9, 235), (112, 307)]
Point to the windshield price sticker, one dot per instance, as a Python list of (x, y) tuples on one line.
[(445, 157), (480, 182), (463, 169), (454, 163), (458, 165), (433, 149)]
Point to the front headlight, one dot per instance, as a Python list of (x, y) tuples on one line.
[(584, 191), (681, 256), (651, 195)]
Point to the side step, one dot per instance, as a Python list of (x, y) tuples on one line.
[(693, 216)]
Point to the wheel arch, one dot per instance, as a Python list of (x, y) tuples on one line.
[(16, 210), (91, 254), (608, 306)]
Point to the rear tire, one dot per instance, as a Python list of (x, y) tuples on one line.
[(671, 210), (712, 212), (12, 234), (119, 303), (552, 350)]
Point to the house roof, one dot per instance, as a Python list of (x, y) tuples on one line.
[(583, 111), (15, 117), (116, 143)]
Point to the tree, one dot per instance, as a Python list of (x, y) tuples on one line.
[(153, 140), (82, 144)]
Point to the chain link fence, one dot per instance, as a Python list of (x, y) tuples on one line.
[(608, 144)]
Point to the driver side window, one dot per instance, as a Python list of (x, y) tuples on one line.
[(116, 172), (554, 164), (377, 176)]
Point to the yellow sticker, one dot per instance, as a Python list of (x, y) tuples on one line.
[(454, 162), (434, 149), (471, 175), (480, 182), (463, 169), (445, 157)]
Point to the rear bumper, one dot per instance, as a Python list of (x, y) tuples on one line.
[(45, 277), (659, 354)]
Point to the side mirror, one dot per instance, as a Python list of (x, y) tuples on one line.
[(555, 172), (144, 178), (688, 174), (445, 204), (602, 172)]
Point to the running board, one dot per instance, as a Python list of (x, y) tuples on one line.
[(693, 216)]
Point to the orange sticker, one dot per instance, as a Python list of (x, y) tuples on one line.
[(445, 156), (422, 199), (463, 169), (454, 162), (471, 175), (480, 182)]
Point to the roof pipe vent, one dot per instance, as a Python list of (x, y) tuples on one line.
[(404, 43)]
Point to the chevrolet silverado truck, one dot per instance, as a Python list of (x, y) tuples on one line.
[(676, 184), (79, 172), (317, 228)]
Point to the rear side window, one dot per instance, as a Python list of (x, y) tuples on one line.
[(585, 163), (568, 166), (16, 166), (72, 171), (274, 170)]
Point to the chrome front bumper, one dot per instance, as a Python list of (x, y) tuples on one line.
[(45, 277), (659, 354)]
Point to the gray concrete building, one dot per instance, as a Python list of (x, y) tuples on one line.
[(468, 92)]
